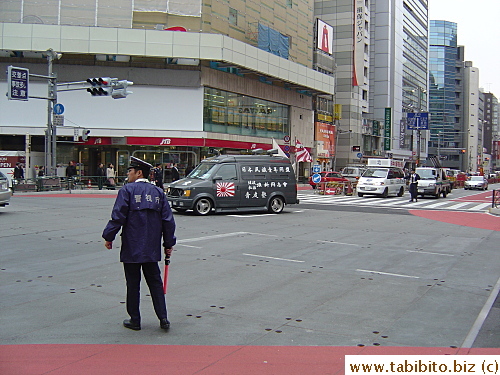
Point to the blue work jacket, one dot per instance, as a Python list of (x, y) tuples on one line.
[(143, 213)]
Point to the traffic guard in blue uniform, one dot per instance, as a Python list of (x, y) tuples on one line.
[(144, 215)]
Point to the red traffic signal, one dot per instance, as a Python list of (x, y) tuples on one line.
[(100, 86)]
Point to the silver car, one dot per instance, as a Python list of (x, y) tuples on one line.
[(476, 182), (5, 192)]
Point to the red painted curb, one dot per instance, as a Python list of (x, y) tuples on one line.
[(75, 359), (467, 219)]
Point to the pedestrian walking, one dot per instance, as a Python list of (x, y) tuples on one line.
[(189, 169), (41, 171), (101, 175), (143, 213), (18, 173), (158, 176), (111, 176), (175, 173), (413, 178)]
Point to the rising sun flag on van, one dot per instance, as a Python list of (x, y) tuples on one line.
[(301, 153)]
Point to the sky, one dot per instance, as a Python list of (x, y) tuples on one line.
[(478, 27)]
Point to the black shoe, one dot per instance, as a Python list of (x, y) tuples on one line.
[(127, 323), (164, 324), (411, 200)]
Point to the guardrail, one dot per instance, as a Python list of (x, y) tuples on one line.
[(495, 199), (64, 183)]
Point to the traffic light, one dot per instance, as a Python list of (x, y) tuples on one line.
[(101, 86), (85, 134), (120, 89)]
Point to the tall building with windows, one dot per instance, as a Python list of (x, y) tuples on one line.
[(381, 52), (446, 97), (208, 76)]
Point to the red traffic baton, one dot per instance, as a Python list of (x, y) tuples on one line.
[(165, 274)]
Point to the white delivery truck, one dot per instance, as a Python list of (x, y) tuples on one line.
[(433, 181)]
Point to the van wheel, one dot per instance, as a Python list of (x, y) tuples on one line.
[(385, 194), (203, 206), (276, 205), (360, 195), (401, 192), (444, 193), (180, 209)]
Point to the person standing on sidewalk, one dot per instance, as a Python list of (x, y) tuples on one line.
[(143, 213), (111, 175), (101, 175)]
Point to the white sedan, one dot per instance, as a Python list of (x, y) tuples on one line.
[(476, 182), (5, 192)]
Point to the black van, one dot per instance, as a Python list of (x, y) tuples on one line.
[(236, 183)]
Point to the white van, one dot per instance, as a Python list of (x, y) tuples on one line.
[(382, 178)]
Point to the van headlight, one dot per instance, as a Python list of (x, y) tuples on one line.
[(187, 193), (431, 184), (3, 185)]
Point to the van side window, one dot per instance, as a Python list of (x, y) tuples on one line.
[(227, 172)]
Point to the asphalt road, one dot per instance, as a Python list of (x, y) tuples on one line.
[(305, 277)]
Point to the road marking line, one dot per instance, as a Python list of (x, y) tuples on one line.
[(428, 252), (476, 327), (339, 243), (221, 236), (263, 256), (389, 274), (458, 205), (257, 215), (195, 247), (437, 204), (480, 207)]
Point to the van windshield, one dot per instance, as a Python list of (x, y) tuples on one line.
[(426, 174), (202, 171), (376, 172)]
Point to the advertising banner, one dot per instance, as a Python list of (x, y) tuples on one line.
[(325, 135), (324, 37), (387, 128), (358, 43)]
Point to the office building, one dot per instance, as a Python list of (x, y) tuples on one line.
[(208, 76)]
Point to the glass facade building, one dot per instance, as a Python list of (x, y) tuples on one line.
[(442, 85), (231, 113)]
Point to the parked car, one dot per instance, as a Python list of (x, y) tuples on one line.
[(329, 177), (353, 173), (476, 182), (5, 191)]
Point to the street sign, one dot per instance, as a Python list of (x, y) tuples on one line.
[(17, 83), (286, 148), (76, 134), (58, 120), (418, 121), (316, 168), (286, 138), (359, 155), (316, 178), (58, 109)]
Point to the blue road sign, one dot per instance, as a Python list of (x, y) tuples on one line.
[(316, 168), (58, 109), (418, 121), (316, 178), (17, 81), (359, 155)]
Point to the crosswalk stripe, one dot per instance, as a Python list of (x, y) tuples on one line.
[(481, 206), (394, 202)]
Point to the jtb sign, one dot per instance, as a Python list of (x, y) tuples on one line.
[(418, 120), (17, 81)]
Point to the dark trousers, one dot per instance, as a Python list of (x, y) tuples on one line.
[(152, 275), (413, 190)]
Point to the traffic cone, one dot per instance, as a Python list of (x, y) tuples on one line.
[(89, 185)]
